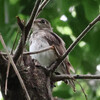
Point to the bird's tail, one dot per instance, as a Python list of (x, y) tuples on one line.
[(69, 67)]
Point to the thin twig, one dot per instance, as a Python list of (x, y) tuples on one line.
[(35, 52), (7, 74), (14, 43), (74, 77), (56, 78), (39, 51), (33, 15), (62, 77), (82, 89), (71, 47), (21, 25), (3, 53), (15, 68), (8, 67), (44, 3)]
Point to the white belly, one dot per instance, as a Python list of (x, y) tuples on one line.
[(45, 58)]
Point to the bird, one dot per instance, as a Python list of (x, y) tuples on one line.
[(42, 37)]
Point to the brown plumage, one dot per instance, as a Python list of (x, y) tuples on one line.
[(42, 37)]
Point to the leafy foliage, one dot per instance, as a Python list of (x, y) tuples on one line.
[(78, 14)]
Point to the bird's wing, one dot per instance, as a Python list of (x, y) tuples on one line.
[(58, 43)]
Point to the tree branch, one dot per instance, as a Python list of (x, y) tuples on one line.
[(33, 16), (25, 31), (20, 23), (39, 51), (15, 69), (29, 53), (20, 47), (73, 45), (63, 77), (44, 3)]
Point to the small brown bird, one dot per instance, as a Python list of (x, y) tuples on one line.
[(42, 37)]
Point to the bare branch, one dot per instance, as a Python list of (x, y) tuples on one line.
[(72, 46), (15, 68), (20, 47), (20, 23), (29, 53), (33, 15), (14, 43), (44, 3), (63, 77), (7, 74), (82, 89), (25, 31), (42, 50), (3, 53), (8, 67)]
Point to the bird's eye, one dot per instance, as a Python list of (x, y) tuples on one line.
[(43, 21)]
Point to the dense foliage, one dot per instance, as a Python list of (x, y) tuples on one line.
[(68, 19)]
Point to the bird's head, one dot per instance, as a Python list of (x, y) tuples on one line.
[(40, 24)]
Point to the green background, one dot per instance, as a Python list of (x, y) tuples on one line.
[(79, 13)]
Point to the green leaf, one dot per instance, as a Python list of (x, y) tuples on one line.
[(91, 8), (62, 91)]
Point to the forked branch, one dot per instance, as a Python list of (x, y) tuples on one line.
[(25, 31)]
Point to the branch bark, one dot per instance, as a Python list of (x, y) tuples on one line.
[(63, 77)]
